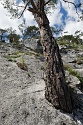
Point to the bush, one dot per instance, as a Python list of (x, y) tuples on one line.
[(22, 65), (75, 73)]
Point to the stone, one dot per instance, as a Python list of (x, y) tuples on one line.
[(22, 94), (34, 44)]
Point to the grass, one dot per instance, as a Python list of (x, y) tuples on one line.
[(34, 53), (18, 52), (15, 55), (70, 45), (17, 45), (76, 74), (22, 65), (9, 58)]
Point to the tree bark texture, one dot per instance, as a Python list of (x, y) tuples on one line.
[(56, 91)]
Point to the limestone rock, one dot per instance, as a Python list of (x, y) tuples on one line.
[(22, 100)]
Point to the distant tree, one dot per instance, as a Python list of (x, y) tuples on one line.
[(31, 31), (78, 35), (13, 38), (10, 30), (22, 28), (74, 39)]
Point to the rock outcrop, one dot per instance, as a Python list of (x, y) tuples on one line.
[(22, 100)]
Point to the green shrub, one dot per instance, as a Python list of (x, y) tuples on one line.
[(63, 42), (22, 64), (75, 73)]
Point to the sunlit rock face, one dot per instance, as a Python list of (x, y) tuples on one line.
[(22, 92)]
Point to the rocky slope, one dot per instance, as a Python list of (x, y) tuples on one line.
[(22, 100)]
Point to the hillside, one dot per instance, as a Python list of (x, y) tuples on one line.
[(22, 86)]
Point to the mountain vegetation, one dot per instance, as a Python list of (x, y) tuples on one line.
[(56, 90)]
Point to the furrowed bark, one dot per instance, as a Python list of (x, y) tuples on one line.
[(56, 90)]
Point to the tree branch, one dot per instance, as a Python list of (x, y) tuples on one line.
[(35, 11), (25, 8), (17, 5), (72, 4), (33, 5), (47, 2)]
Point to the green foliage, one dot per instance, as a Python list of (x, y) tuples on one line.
[(10, 58), (71, 42), (22, 61), (18, 52), (13, 8), (31, 31), (75, 73), (22, 65), (9, 5), (13, 38), (71, 38), (60, 42)]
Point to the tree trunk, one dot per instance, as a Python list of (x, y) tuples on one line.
[(56, 90)]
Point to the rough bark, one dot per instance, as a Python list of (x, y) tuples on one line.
[(56, 90)]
